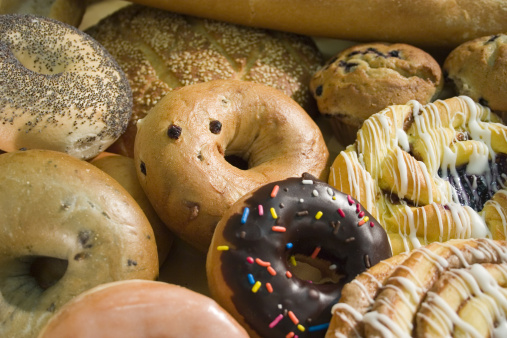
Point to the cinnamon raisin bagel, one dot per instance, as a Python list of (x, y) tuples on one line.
[(65, 227), (452, 289), (186, 146), (160, 50), (429, 172)]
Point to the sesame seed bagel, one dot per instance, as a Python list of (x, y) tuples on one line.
[(61, 90), (186, 145), (65, 227), (160, 51)]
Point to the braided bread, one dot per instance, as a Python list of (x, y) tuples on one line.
[(443, 289), (429, 173)]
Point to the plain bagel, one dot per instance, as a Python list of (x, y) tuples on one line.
[(65, 227), (186, 145), (444, 23)]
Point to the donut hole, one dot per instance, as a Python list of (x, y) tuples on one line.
[(314, 264)]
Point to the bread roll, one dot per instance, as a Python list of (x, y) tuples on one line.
[(430, 22)]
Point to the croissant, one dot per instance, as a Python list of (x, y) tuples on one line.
[(456, 288), (430, 172)]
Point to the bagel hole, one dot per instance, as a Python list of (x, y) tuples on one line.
[(314, 269), (237, 161), (47, 271)]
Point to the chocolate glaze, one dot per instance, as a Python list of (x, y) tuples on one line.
[(342, 241)]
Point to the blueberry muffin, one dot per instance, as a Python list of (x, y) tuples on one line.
[(478, 69), (364, 79)]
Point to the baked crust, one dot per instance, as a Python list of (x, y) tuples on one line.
[(160, 51), (421, 22)]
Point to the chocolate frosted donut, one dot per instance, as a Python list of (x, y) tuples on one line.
[(61, 90), (262, 241)]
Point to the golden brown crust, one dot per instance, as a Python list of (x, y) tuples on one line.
[(160, 51), (122, 169), (366, 78), (187, 178), (478, 69), (419, 22), (57, 208), (140, 308), (428, 292)]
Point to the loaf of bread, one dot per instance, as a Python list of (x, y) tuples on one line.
[(424, 23)]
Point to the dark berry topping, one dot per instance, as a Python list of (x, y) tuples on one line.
[(318, 90), (215, 126), (394, 54), (483, 102), (143, 168), (347, 65), (492, 38), (174, 131)]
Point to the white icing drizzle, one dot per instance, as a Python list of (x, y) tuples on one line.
[(444, 135)]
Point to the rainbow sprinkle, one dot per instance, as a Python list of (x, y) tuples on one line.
[(273, 213), (256, 287), (269, 287), (261, 210), (340, 211), (318, 215), (315, 252), (274, 191), (244, 217), (251, 279), (278, 228), (222, 247), (349, 198), (275, 321), (293, 317), (364, 220), (319, 327)]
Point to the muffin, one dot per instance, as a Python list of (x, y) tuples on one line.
[(364, 79), (478, 69)]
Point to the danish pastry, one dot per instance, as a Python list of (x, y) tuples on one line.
[(429, 172), (456, 288)]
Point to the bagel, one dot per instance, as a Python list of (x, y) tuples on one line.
[(61, 90), (160, 51), (123, 170), (141, 308), (435, 23), (66, 227), (183, 146)]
